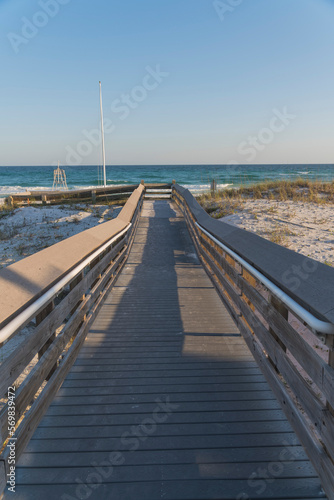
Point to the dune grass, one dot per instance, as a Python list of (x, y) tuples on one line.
[(229, 201)]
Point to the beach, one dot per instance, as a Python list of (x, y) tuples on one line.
[(306, 228), (27, 230)]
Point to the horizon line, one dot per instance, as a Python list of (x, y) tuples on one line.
[(178, 165)]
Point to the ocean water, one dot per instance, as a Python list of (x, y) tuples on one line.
[(197, 178)]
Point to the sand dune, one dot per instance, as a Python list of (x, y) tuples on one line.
[(307, 228)]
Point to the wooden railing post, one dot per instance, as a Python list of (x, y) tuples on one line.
[(330, 344), (39, 318), (73, 284), (283, 311), (252, 281), (3, 477)]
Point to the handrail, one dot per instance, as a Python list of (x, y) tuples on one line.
[(7, 331), (316, 324)]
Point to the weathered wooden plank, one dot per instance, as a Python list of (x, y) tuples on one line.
[(3, 476), (97, 349), (129, 442), (186, 429), (230, 382), (147, 385), (307, 489), (202, 417), (142, 473), (212, 354), (39, 318), (87, 372), (102, 354), (203, 396), (146, 457), (149, 408), (232, 374)]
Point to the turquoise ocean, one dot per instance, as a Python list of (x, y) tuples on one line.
[(197, 178)]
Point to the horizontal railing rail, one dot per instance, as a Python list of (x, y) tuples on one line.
[(60, 313), (280, 327)]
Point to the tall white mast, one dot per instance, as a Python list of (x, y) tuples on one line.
[(102, 133)]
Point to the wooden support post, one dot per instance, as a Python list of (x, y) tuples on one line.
[(44, 199), (213, 186), (10, 201), (3, 477), (330, 344), (93, 196), (252, 281), (92, 265), (283, 311), (39, 318), (73, 284)]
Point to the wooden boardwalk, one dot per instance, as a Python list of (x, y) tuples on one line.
[(165, 400)]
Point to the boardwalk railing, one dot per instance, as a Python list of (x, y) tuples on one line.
[(94, 194), (283, 304), (57, 293)]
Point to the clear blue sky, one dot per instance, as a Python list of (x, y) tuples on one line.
[(227, 74)]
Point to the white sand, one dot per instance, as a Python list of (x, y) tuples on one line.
[(307, 228), (28, 230)]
